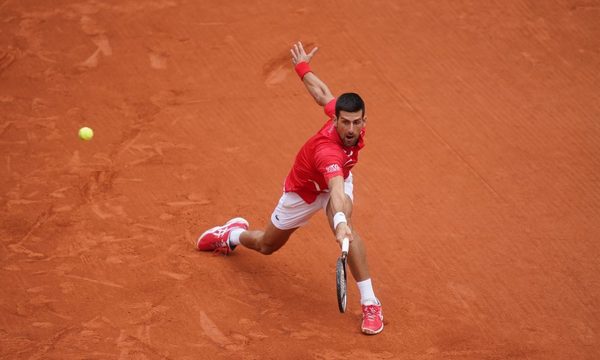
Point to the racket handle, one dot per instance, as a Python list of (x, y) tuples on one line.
[(345, 246)]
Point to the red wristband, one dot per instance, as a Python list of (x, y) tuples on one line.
[(302, 68)]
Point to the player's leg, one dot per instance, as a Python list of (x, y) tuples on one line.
[(265, 242), (372, 322), (291, 213), (226, 238)]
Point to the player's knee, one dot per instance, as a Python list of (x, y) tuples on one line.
[(268, 250)]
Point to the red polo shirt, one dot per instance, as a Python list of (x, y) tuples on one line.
[(322, 157)]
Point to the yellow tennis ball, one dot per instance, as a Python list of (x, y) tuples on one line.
[(85, 133)]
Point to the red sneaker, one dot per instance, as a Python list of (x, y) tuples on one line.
[(372, 322), (217, 239)]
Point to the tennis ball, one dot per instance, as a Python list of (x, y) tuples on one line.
[(85, 133)]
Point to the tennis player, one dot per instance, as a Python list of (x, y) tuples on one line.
[(319, 179)]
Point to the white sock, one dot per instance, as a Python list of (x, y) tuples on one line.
[(366, 292), (234, 237)]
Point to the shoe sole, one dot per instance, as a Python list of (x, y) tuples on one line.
[(234, 220), (371, 332)]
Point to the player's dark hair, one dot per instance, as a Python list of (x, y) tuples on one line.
[(350, 102)]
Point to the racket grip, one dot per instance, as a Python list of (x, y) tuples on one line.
[(345, 245)]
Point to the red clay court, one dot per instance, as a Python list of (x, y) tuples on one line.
[(478, 193)]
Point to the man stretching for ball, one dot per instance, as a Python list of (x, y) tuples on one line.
[(319, 179)]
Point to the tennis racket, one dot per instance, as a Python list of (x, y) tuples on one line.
[(341, 275)]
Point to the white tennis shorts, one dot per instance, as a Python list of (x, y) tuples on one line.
[(292, 212)]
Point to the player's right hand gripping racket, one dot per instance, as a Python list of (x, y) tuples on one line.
[(341, 275)]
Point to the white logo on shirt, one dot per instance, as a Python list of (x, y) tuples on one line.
[(332, 168)]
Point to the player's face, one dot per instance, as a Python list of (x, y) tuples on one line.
[(349, 125)]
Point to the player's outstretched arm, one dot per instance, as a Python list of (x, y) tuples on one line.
[(316, 88), (338, 198)]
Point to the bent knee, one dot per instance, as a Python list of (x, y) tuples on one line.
[(268, 250)]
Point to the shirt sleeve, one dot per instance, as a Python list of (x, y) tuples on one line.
[(330, 108), (329, 162)]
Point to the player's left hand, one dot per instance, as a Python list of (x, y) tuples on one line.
[(299, 55)]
